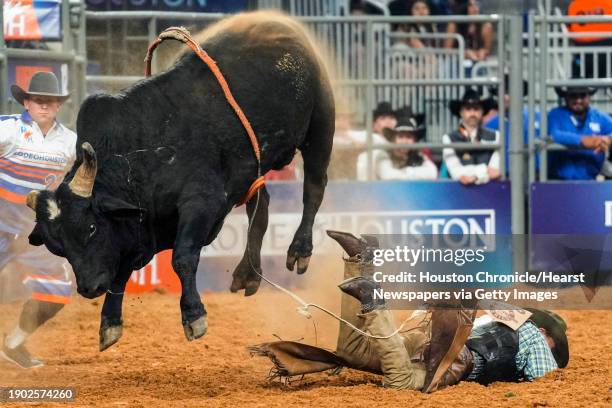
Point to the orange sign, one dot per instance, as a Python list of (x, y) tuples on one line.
[(590, 8), (158, 274), (23, 74)]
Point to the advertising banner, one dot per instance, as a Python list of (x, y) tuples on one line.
[(32, 20), (570, 230), (416, 208), (581, 207)]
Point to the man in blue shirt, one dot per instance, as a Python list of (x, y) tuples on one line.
[(578, 125)]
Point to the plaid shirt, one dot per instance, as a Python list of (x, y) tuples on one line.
[(533, 359)]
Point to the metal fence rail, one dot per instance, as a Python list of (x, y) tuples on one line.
[(365, 53)]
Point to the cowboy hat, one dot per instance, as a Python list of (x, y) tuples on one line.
[(41, 84), (470, 97), (406, 122), (564, 91), (555, 327)]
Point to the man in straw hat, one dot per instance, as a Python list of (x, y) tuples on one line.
[(584, 129), (435, 349), (35, 153), (471, 166)]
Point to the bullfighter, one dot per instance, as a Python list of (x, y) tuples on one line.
[(35, 153)]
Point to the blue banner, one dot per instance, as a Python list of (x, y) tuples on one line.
[(571, 224), (580, 207)]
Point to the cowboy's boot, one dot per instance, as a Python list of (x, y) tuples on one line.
[(450, 329), (363, 289), (351, 346)]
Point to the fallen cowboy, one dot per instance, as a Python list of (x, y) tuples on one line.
[(451, 346)]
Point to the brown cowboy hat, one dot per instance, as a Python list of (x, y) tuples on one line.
[(555, 327), (41, 84), (470, 97)]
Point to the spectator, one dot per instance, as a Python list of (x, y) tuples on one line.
[(491, 119), (400, 163), (382, 117), (578, 125), (417, 8), (471, 166), (478, 37), (363, 7), (352, 142)]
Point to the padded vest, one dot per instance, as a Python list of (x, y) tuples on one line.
[(498, 345), (473, 156)]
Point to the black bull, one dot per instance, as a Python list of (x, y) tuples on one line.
[(167, 159)]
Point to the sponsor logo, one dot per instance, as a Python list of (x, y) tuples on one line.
[(461, 224), (40, 157), (595, 127), (608, 213), (27, 136)]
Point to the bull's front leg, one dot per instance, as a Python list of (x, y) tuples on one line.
[(111, 323), (197, 219)]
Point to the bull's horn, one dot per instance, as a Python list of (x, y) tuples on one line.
[(32, 199), (83, 180)]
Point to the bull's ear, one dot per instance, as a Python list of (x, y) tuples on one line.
[(117, 208), (35, 238)]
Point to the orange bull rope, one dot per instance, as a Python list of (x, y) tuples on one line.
[(182, 34)]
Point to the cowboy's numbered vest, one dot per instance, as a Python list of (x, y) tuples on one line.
[(498, 345), (473, 156)]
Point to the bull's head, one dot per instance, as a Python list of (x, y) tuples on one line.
[(89, 231)]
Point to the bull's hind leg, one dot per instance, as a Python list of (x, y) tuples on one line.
[(245, 277), (316, 151)]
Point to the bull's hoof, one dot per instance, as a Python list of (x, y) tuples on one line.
[(302, 263), (237, 284), (299, 253), (244, 277), (251, 287), (110, 335), (196, 329)]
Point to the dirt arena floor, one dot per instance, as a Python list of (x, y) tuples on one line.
[(154, 366)]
